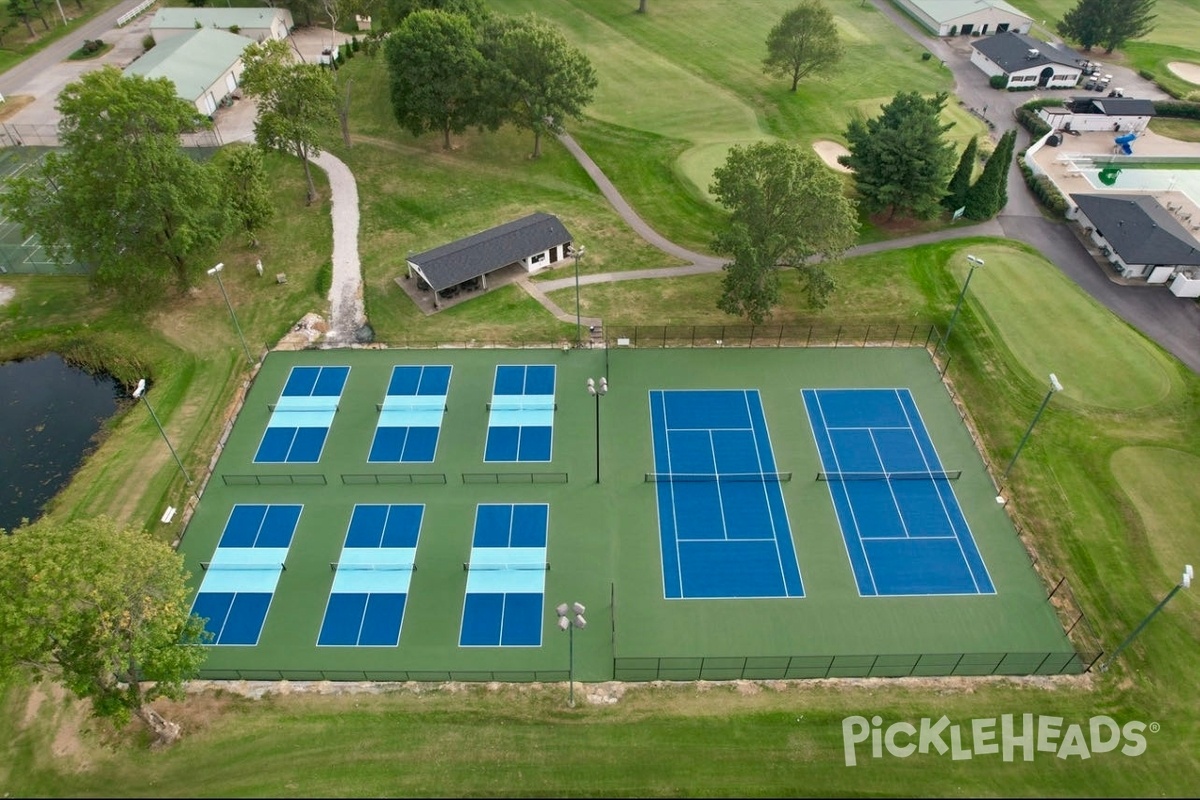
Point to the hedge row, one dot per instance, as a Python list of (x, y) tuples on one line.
[(1044, 190), (1177, 108)]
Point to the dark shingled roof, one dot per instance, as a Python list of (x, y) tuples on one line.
[(1113, 106), (1139, 229), (451, 264), (1010, 50)]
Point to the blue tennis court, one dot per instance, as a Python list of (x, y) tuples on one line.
[(506, 577), (721, 518), (301, 418), (240, 581), (521, 413), (904, 531), (372, 576), (410, 417)]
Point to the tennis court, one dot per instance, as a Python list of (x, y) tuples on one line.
[(721, 514), (904, 530), (419, 514)]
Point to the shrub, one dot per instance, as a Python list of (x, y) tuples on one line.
[(1147, 74), (1044, 190), (235, 28), (954, 30), (354, 43), (147, 41), (998, 81), (324, 279), (1177, 108), (926, 55)]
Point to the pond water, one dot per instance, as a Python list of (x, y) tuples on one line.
[(52, 412)]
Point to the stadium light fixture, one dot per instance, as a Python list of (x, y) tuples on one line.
[(1055, 386), (975, 263), (1184, 583), (597, 390), (216, 271), (570, 617), (140, 392)]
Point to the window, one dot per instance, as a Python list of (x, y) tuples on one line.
[(539, 258)]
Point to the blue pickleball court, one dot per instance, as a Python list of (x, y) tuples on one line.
[(904, 531), (506, 576), (722, 522), (301, 418), (410, 417), (521, 413), (241, 578), (372, 577)]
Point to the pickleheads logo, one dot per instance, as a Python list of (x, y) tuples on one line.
[(1006, 736)]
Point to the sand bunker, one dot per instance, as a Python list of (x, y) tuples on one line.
[(829, 152), (1183, 69)]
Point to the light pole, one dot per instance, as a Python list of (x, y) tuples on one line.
[(569, 618), (217, 272), (577, 252), (974, 262), (1184, 583), (140, 391), (1055, 386), (597, 391)]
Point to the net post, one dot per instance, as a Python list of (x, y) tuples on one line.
[(204, 566)]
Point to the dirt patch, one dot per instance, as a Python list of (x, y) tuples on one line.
[(829, 152), (13, 105), (1185, 70), (7, 293)]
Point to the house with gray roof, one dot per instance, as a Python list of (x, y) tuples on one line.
[(1140, 238), (258, 24), (1028, 62), (967, 17), (204, 64), (534, 243)]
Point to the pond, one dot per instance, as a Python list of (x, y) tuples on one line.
[(52, 413)]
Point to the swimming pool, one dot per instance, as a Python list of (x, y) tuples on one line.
[(1184, 178)]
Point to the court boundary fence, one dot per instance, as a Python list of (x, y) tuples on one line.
[(386, 676), (515, 477), (309, 479), (890, 665), (400, 478)]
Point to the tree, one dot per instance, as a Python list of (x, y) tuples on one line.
[(956, 192), (297, 102), (900, 159), (247, 192), (1084, 23), (641, 6), (437, 73), (122, 195), (989, 194), (538, 79), (805, 41), (101, 609), (786, 210), (1129, 19), (396, 11)]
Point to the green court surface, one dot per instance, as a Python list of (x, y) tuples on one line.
[(603, 540)]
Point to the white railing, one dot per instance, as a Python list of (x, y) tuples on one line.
[(139, 8)]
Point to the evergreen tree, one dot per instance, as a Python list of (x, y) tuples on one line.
[(1084, 23), (960, 184), (900, 159), (987, 196), (1129, 19)]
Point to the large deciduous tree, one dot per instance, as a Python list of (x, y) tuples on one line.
[(805, 41), (247, 192), (396, 11), (297, 102), (122, 195), (436, 73), (787, 209), (538, 79), (1109, 23), (101, 609), (901, 160)]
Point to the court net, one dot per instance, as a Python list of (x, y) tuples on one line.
[(230, 566), (335, 566), (392, 405), (516, 405), (934, 475), (537, 566), (717, 477), (313, 407)]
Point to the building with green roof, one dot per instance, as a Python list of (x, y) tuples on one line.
[(967, 17), (258, 24), (204, 64)]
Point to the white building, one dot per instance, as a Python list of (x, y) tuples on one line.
[(1123, 114), (258, 24), (967, 17), (204, 65), (1028, 62)]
